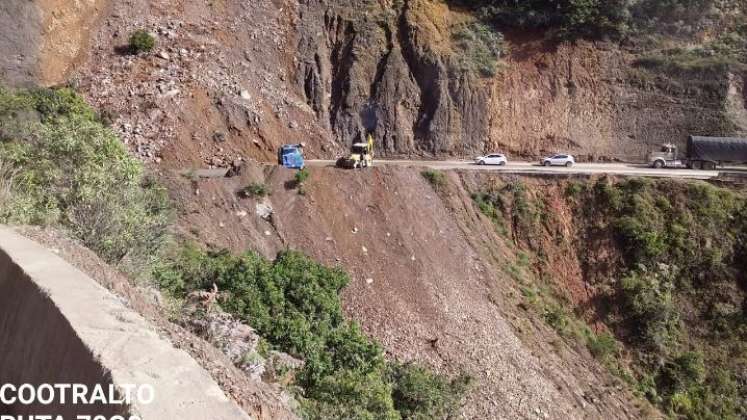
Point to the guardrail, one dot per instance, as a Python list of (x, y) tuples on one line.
[(60, 330)]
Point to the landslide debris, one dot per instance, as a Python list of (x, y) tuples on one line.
[(63, 167), (427, 281), (293, 303)]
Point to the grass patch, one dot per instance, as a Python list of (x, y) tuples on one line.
[(491, 205), (256, 189), (141, 41), (294, 304), (437, 179)]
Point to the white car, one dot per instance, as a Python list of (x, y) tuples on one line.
[(492, 159), (559, 160)]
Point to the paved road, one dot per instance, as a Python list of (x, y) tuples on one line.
[(534, 168)]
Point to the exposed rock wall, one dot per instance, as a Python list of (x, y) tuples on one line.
[(372, 66), (587, 98), (236, 79)]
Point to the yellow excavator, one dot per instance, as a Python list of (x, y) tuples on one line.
[(361, 155)]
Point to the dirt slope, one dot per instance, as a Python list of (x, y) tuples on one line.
[(428, 281)]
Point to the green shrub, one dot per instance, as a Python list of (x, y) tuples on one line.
[(256, 189), (70, 170), (141, 41), (294, 304), (301, 176), (436, 178), (648, 302), (423, 395), (685, 371), (603, 346), (557, 318), (574, 189), (491, 205)]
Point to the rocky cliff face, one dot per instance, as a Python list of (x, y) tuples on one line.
[(382, 67), (234, 80), (391, 69)]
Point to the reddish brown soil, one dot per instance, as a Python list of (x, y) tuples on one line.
[(428, 279)]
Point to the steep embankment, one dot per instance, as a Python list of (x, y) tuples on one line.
[(429, 280), (561, 296)]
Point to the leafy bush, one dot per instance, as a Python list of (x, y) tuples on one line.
[(422, 395), (141, 41), (256, 189), (603, 346), (557, 318), (574, 189), (293, 303), (436, 178), (72, 171)]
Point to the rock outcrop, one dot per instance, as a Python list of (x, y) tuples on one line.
[(391, 69)]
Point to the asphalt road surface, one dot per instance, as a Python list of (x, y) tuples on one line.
[(516, 167)]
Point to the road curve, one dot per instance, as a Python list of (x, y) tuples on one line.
[(523, 168)]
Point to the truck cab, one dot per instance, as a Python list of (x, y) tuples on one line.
[(665, 157), (291, 156)]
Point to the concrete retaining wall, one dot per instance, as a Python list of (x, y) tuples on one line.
[(59, 326)]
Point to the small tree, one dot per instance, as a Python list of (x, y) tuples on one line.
[(141, 41)]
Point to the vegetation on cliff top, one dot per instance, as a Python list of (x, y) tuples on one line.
[(599, 18), (663, 32)]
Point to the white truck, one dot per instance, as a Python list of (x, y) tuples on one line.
[(701, 153)]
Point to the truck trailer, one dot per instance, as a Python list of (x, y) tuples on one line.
[(702, 153)]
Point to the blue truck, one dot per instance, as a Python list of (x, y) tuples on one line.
[(291, 156)]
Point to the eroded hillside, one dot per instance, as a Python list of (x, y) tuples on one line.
[(584, 298), (429, 281), (561, 299), (232, 80)]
